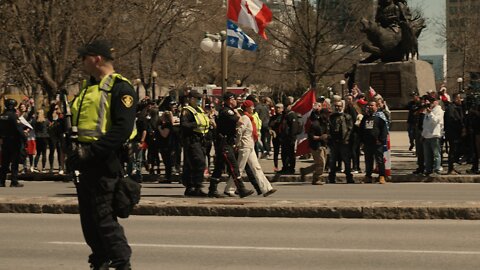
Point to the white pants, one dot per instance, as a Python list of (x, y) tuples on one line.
[(248, 155)]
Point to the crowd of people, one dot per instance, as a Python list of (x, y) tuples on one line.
[(27, 134), (341, 129), (439, 123)]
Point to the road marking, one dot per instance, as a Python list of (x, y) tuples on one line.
[(334, 250)]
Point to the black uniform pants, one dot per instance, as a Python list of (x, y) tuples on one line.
[(339, 152), (454, 150), (193, 163), (419, 151), (10, 159), (288, 155), (225, 157), (100, 227), (167, 158), (276, 151), (266, 138), (355, 145), (374, 152)]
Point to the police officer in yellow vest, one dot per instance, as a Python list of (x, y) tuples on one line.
[(194, 125), (104, 115)]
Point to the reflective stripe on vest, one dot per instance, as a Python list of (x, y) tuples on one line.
[(94, 101), (203, 123)]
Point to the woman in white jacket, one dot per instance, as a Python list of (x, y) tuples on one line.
[(245, 143)]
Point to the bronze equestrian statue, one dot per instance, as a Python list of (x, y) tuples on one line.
[(393, 35)]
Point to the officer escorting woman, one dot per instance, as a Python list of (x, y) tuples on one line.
[(13, 141), (104, 115), (195, 125), (224, 148)]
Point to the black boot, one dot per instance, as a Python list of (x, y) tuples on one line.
[(104, 266), (212, 189), (242, 191)]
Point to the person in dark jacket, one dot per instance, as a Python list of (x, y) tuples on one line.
[(317, 140), (412, 107), (374, 133), (288, 137), (454, 128), (13, 141), (274, 125), (341, 126), (418, 118)]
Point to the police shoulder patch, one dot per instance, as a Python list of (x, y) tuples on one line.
[(230, 112), (127, 100)]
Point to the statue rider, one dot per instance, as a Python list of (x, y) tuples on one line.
[(388, 15)]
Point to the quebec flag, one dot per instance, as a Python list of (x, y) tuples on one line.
[(238, 39)]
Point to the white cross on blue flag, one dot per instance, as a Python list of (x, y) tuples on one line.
[(238, 39)]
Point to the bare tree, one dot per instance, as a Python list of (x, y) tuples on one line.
[(40, 38), (312, 38)]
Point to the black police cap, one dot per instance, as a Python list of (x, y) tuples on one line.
[(97, 47), (195, 94), (10, 103), (228, 95)]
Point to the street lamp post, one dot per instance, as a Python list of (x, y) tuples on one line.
[(137, 83), (460, 82), (216, 43), (330, 92), (154, 77), (342, 83)]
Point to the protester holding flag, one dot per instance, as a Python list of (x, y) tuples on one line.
[(317, 140)]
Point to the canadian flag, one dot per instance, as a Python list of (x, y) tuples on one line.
[(304, 107), (250, 13)]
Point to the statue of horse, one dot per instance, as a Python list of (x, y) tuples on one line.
[(391, 44)]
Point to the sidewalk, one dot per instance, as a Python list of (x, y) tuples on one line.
[(294, 199), (403, 164)]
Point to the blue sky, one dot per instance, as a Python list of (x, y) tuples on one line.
[(433, 10)]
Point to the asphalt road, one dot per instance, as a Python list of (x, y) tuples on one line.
[(55, 242), (447, 192)]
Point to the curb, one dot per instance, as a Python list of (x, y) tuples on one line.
[(279, 209), (409, 178)]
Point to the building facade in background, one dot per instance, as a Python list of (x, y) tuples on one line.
[(463, 48)]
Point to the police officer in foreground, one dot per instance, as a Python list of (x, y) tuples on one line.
[(195, 125), (104, 115), (13, 140), (224, 148)]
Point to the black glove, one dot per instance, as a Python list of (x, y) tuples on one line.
[(79, 158)]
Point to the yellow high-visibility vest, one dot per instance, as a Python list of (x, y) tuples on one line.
[(91, 110), (258, 122), (203, 123)]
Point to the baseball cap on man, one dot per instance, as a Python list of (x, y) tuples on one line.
[(97, 47), (248, 103)]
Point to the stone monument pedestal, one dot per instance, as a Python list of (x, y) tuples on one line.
[(395, 81)]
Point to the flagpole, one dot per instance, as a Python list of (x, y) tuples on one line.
[(224, 62), (224, 54)]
